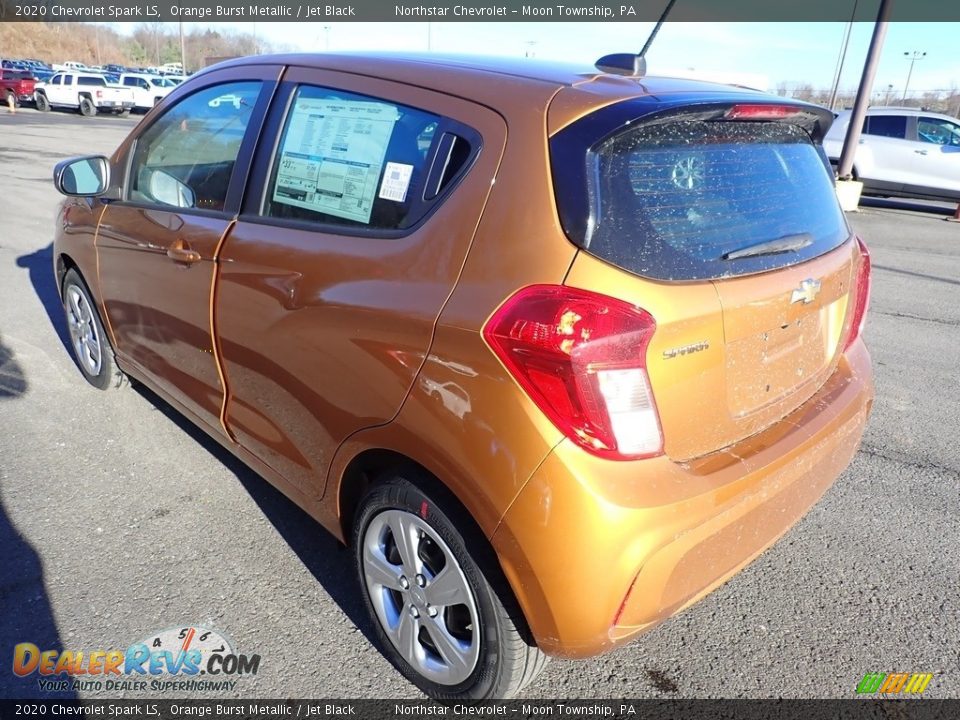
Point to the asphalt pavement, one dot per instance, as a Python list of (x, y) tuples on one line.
[(119, 520)]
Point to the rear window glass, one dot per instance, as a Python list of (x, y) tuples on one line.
[(685, 200)]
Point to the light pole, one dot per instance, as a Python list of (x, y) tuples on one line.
[(914, 56), (842, 57), (183, 52)]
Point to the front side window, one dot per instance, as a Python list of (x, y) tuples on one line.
[(891, 126), (938, 131), (186, 158), (350, 160)]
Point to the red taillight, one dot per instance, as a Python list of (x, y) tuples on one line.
[(760, 112), (862, 300), (581, 357), (99, 93)]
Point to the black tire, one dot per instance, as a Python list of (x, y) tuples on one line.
[(87, 108), (104, 375), (43, 105), (508, 660)]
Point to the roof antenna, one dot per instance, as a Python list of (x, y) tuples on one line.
[(628, 63)]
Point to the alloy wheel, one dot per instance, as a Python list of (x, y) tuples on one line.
[(421, 597), (83, 331)]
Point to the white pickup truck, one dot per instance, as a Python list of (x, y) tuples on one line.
[(148, 90), (87, 92)]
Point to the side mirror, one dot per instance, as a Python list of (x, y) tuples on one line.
[(83, 176), (165, 188)]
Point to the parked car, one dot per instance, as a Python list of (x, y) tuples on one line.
[(114, 68), (148, 90), (38, 70), (70, 65), (17, 85), (903, 152), (554, 351), (88, 93)]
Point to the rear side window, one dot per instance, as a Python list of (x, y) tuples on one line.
[(687, 200), (891, 126), (355, 161)]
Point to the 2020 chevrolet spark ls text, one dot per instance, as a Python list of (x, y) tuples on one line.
[(556, 352)]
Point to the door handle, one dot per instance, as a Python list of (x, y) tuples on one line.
[(920, 152), (181, 253)]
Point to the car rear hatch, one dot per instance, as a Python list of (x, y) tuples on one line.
[(717, 216)]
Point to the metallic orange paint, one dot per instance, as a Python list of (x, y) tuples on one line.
[(301, 351)]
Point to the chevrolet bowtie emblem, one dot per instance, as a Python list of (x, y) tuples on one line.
[(807, 291)]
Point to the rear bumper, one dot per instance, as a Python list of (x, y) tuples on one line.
[(597, 551)]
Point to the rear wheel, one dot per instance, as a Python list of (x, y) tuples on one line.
[(91, 348), (441, 620), (43, 105), (87, 108)]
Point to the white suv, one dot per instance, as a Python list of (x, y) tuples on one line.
[(903, 152), (148, 90)]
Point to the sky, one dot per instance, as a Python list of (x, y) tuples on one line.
[(757, 54)]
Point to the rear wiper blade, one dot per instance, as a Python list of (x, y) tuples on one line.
[(787, 243)]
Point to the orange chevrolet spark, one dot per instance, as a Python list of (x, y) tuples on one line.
[(556, 351)]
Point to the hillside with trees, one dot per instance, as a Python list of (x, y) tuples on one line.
[(101, 43)]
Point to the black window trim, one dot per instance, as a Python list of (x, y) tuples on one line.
[(266, 155), (243, 164)]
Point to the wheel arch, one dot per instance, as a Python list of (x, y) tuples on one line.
[(64, 263), (370, 466)]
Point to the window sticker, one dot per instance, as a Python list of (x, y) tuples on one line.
[(396, 180), (332, 155)]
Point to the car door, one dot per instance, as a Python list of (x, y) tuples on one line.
[(59, 89), (157, 246), (936, 157), (884, 138), (133, 83), (362, 205)]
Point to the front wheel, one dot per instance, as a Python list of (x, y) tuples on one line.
[(43, 105), (91, 348), (440, 619)]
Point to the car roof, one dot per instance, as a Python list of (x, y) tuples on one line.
[(402, 67), (911, 111)]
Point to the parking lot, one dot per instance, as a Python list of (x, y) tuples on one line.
[(118, 519)]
